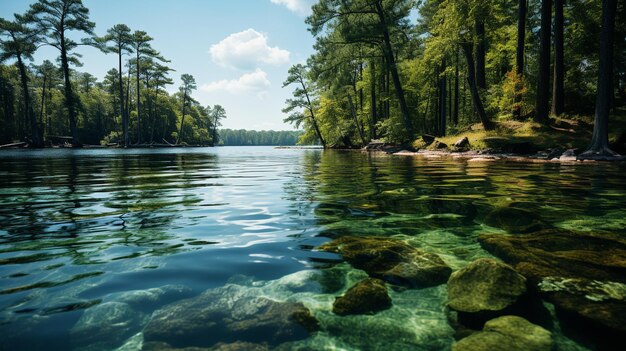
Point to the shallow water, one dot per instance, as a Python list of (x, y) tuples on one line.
[(83, 229)]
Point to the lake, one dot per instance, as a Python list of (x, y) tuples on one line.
[(93, 242)]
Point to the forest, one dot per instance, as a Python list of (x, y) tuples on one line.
[(243, 137), (55, 103), (398, 69)]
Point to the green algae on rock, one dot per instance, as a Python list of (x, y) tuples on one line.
[(511, 333), (391, 260), (227, 314), (485, 285), (369, 295), (561, 253), (582, 274), (514, 220)]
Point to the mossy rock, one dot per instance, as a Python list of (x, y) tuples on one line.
[(509, 333), (582, 274), (367, 296), (485, 285), (514, 220), (391, 260)]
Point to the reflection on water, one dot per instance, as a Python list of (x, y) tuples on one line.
[(82, 229)]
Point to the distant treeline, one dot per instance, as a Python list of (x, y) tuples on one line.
[(51, 102), (242, 137)]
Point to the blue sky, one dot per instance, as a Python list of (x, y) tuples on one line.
[(239, 51)]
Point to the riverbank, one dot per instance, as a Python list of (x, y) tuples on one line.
[(562, 140)]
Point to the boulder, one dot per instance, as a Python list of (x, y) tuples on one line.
[(437, 145), (106, 326), (514, 220), (391, 260), (462, 144), (366, 296), (509, 333), (485, 285), (227, 314), (568, 155), (582, 274), (428, 139)]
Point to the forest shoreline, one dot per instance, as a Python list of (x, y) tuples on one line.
[(485, 156)]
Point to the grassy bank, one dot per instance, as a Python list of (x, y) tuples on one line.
[(520, 137)]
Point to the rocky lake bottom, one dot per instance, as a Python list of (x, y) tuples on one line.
[(286, 249)]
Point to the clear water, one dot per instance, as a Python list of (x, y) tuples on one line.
[(81, 228)]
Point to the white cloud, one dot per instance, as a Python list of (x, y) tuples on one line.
[(246, 50), (301, 7), (249, 83)]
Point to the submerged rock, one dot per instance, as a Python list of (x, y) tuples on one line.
[(235, 346), (582, 274), (227, 314), (391, 260), (369, 295), (106, 326), (153, 297), (509, 333), (561, 253), (485, 285), (514, 220)]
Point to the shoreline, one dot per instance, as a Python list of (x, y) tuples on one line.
[(481, 156)]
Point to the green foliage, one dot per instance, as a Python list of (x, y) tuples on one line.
[(241, 137)]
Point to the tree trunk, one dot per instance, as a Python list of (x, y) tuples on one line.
[(182, 120), (69, 95), (455, 115), (127, 108), (29, 114), (543, 87), (121, 92), (373, 100), (442, 101), (519, 57), (43, 108), (313, 120), (356, 120), (481, 79), (391, 61), (599, 147), (471, 79), (138, 103), (559, 65)]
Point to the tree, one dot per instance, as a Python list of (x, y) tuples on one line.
[(519, 57), (189, 85), (218, 113), (17, 41), (543, 87), (121, 42), (141, 43), (372, 22), (558, 89), (57, 18), (302, 100), (49, 74), (599, 148)]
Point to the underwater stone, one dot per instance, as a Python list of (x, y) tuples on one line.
[(369, 295), (582, 274), (106, 326), (485, 285), (152, 297), (227, 314), (514, 220), (391, 260), (509, 333)]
